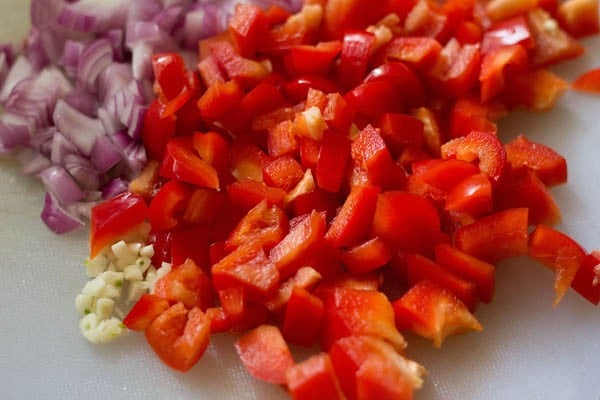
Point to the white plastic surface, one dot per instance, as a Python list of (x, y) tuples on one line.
[(528, 349)]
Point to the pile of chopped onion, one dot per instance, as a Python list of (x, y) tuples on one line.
[(75, 92)]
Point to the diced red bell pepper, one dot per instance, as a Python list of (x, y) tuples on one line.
[(219, 99), (191, 242), (588, 81), (371, 99), (578, 17), (302, 239), (352, 222), (147, 181), (281, 140), (370, 152), (406, 222), (314, 378), (456, 69), (182, 162), (558, 252), (170, 74), (303, 316), (179, 337), (495, 237), (524, 189), (472, 195), (212, 148), (499, 10), (367, 256), (338, 114), (249, 267), (496, 64), (357, 47), (418, 52), (203, 206), (210, 72), (305, 277), (478, 146), (469, 268), (551, 46), (114, 219), (317, 59), (301, 28), (421, 268), (144, 311), (318, 200), (265, 354), (357, 312), (264, 225), (248, 193), (186, 283), (246, 72), (443, 174), (233, 303), (469, 114), (247, 26), (507, 33), (356, 359), (400, 131), (538, 90), (433, 312), (332, 161), (283, 172), (156, 130), (587, 279), (403, 78), (434, 137), (341, 16), (297, 89)]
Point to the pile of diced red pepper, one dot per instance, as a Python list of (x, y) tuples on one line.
[(335, 177)]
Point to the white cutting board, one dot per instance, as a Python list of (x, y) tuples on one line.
[(528, 349)]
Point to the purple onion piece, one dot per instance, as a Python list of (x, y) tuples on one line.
[(105, 154), (109, 122), (61, 146), (95, 58), (94, 16), (71, 55), (32, 162), (61, 185), (20, 70), (57, 218), (81, 130), (11, 138), (114, 188), (83, 172)]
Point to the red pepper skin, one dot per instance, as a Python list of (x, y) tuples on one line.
[(303, 316), (558, 252), (433, 312), (191, 242), (507, 33), (170, 76), (179, 337), (317, 59), (421, 268), (481, 146), (406, 222), (374, 98), (469, 268), (264, 225), (314, 378), (283, 172), (248, 193), (355, 312), (356, 51), (494, 68), (495, 237), (443, 174), (418, 52), (352, 222), (219, 99), (265, 354), (332, 161), (403, 78), (587, 279), (367, 256), (472, 195), (246, 27), (115, 218), (186, 283), (549, 166), (302, 239), (183, 162), (400, 131), (168, 204), (145, 310), (157, 130)]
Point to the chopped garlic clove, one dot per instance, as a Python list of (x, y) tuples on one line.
[(83, 303), (133, 273), (104, 308), (94, 287)]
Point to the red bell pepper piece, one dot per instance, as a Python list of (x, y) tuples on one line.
[(332, 161), (367, 256), (421, 268), (352, 222), (248, 193), (472, 195), (418, 52), (337, 113), (434, 137), (317, 59), (182, 162), (305, 278), (156, 130), (374, 98), (246, 72), (186, 283), (302, 239), (578, 18), (587, 279), (263, 225), (203, 206), (265, 354), (456, 69), (210, 72), (114, 219), (357, 47), (558, 252), (191, 242), (507, 33), (443, 174), (406, 222), (248, 267), (400, 131), (179, 337), (144, 311), (281, 140), (356, 359), (495, 237), (494, 68), (433, 312), (212, 148), (219, 99), (283, 172), (303, 316), (403, 78), (247, 26), (357, 312), (314, 378), (469, 114), (469, 268), (341, 16), (170, 74), (297, 89), (481, 146), (588, 81), (168, 204)]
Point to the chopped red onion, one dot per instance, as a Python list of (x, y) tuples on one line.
[(114, 188), (95, 58), (71, 56), (80, 129), (20, 70), (110, 123), (32, 162), (105, 153), (93, 15), (83, 101), (11, 138), (57, 181), (83, 171), (61, 146), (57, 218)]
